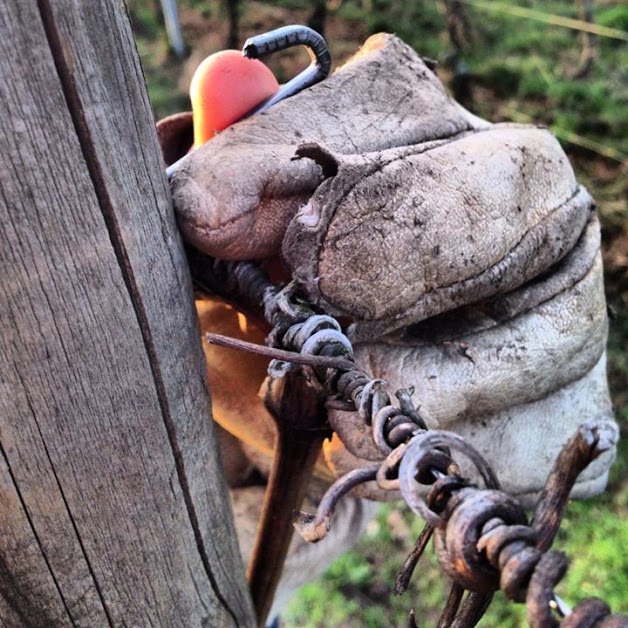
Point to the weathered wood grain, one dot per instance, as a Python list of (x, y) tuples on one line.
[(113, 510)]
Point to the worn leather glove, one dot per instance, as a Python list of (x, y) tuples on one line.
[(464, 256)]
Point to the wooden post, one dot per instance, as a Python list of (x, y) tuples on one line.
[(113, 510)]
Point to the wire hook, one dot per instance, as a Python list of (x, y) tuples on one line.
[(281, 39)]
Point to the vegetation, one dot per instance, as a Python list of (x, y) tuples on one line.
[(504, 67)]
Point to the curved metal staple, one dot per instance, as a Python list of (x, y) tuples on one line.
[(314, 528), (287, 37), (408, 469), (298, 334), (280, 39)]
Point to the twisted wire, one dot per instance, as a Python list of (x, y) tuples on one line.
[(482, 536), (353, 388)]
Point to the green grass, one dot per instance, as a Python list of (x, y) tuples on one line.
[(357, 591), (524, 60), (521, 70)]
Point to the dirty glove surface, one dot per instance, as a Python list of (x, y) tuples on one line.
[(402, 234), (515, 375), (235, 195), (464, 255)]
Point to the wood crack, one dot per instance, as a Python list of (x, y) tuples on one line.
[(93, 164), (9, 589), (70, 516)]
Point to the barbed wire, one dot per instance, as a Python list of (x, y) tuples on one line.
[(482, 536)]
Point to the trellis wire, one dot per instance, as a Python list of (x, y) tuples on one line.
[(549, 18), (573, 138)]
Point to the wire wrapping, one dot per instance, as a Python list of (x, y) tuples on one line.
[(482, 536), (321, 334)]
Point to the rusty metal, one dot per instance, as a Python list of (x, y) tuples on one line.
[(388, 473), (515, 549), (444, 487), (456, 545), (591, 440), (452, 604), (315, 361), (593, 613), (473, 607), (482, 536), (314, 528), (550, 569), (402, 580)]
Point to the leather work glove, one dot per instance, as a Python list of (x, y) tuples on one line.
[(463, 256)]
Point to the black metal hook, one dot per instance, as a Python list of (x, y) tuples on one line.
[(281, 39), (287, 37)]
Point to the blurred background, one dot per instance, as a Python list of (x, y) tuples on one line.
[(556, 63)]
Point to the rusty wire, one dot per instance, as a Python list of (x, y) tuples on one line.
[(482, 537)]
